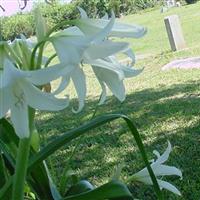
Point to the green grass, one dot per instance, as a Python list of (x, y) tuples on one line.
[(156, 40), (164, 105)]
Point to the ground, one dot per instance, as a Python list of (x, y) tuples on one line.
[(164, 105)]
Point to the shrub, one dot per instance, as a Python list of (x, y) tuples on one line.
[(100, 7), (90, 6), (58, 12), (143, 4), (13, 26)]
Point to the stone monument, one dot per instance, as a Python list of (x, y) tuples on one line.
[(174, 32)]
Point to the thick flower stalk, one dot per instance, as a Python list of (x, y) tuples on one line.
[(160, 170)]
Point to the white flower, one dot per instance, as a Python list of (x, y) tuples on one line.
[(159, 170), (73, 48), (91, 26), (17, 92), (111, 73)]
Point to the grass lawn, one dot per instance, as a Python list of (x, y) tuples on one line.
[(164, 105)]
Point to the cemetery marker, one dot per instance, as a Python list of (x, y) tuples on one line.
[(174, 32)]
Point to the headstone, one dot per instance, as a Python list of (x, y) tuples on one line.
[(174, 32)]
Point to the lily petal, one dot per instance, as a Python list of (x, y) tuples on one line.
[(165, 170), (98, 33), (46, 75), (127, 70), (164, 157), (131, 55), (78, 79), (161, 183), (19, 118), (92, 26), (105, 31), (111, 79), (73, 30), (10, 74), (41, 100), (107, 66), (104, 49), (168, 186), (127, 30), (103, 93), (70, 49), (63, 84)]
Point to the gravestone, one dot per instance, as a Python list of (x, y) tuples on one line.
[(174, 32)]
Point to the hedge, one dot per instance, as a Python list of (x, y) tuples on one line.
[(13, 26)]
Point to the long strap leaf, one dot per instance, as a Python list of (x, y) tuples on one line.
[(70, 135), (112, 190)]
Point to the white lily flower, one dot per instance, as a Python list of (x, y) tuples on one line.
[(17, 92), (73, 48), (111, 73), (159, 170), (71, 44), (91, 26)]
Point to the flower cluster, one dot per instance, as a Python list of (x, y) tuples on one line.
[(87, 41)]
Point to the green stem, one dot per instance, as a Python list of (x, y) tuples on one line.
[(49, 60), (33, 54), (21, 168), (22, 162), (39, 61)]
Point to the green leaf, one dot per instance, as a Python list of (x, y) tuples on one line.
[(113, 189), (3, 171), (80, 187), (55, 193), (6, 190), (69, 136), (38, 179), (8, 135), (8, 143), (8, 147)]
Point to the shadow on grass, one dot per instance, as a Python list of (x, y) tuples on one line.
[(167, 113)]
